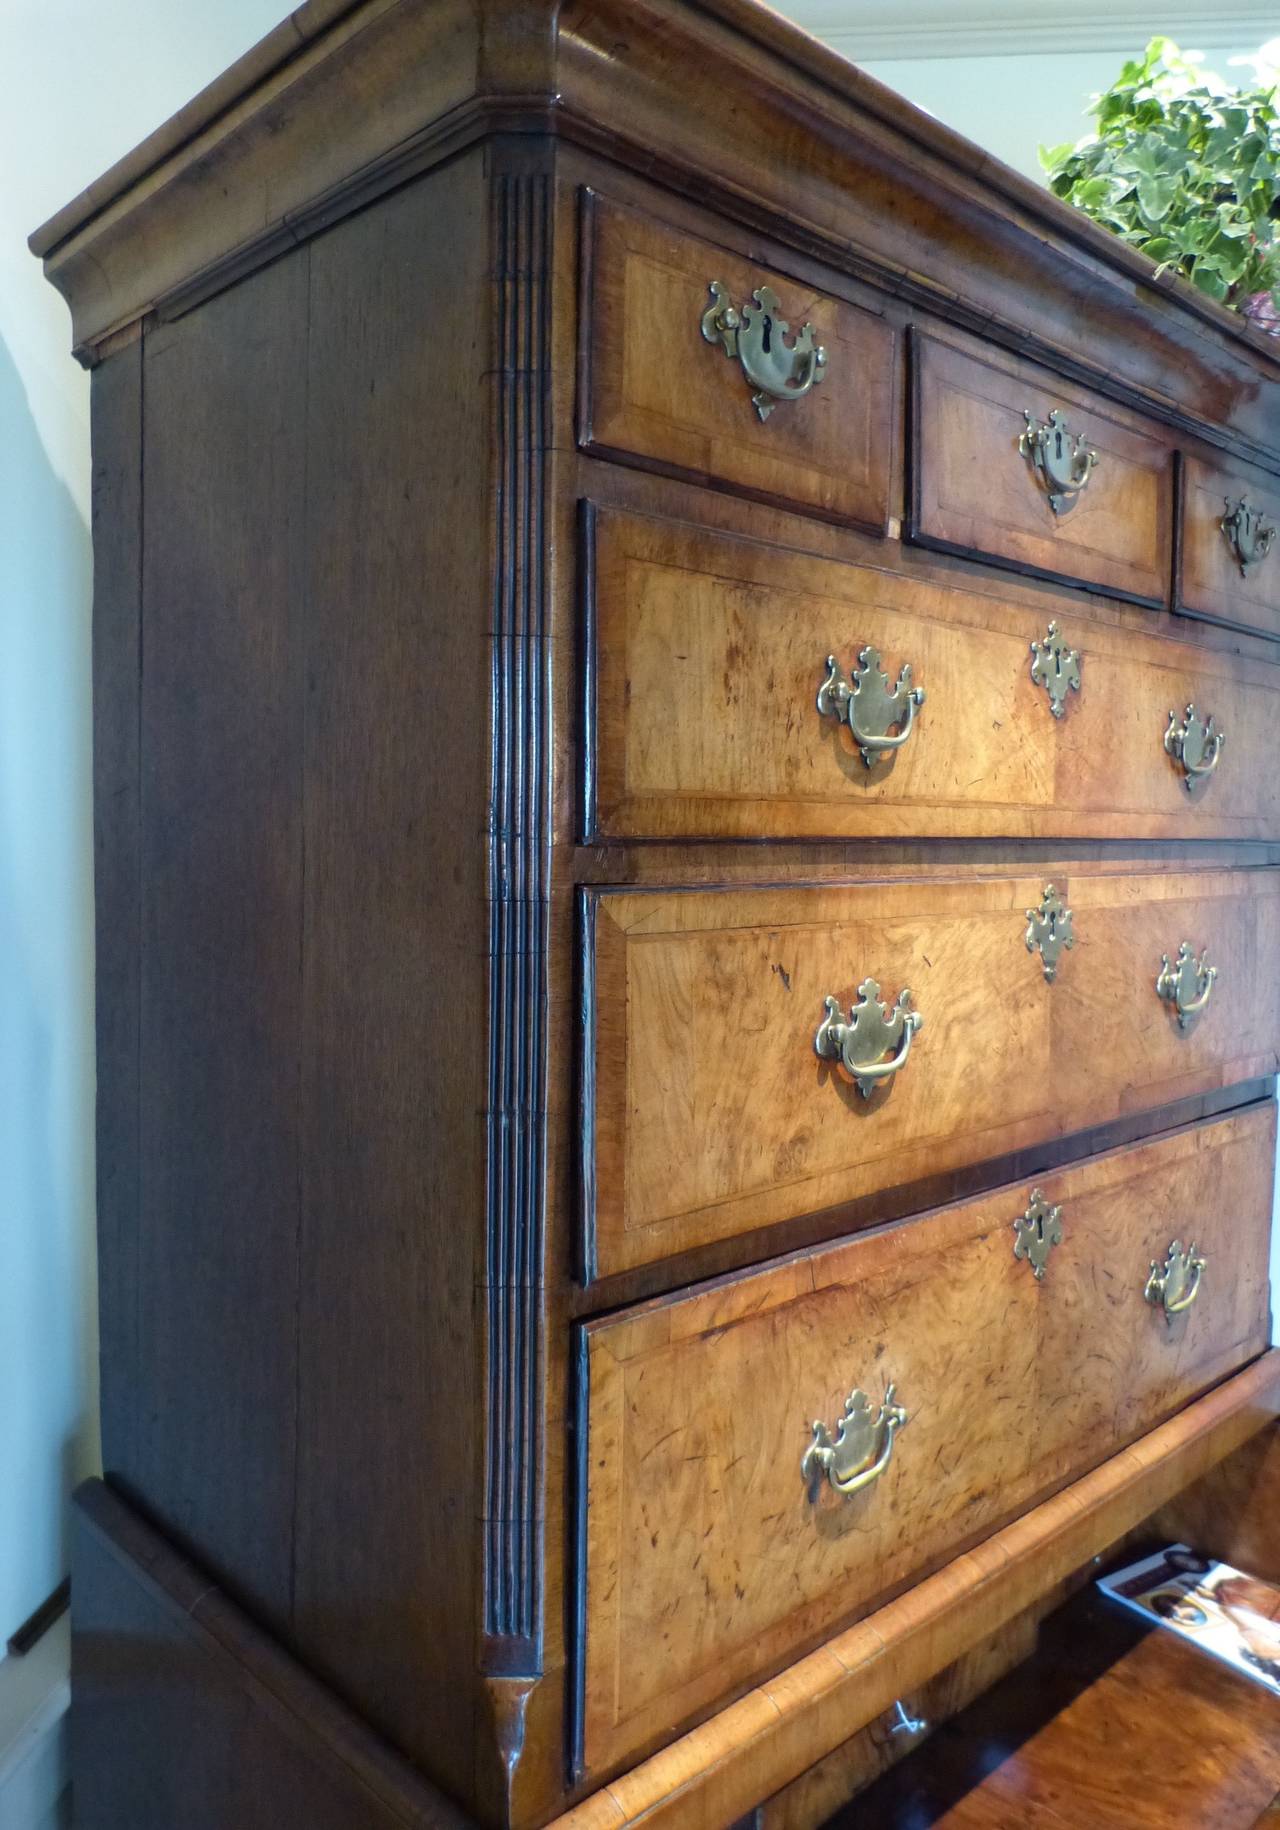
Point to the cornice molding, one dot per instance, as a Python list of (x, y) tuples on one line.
[(1005, 28)]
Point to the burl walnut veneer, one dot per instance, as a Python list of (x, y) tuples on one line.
[(688, 886)]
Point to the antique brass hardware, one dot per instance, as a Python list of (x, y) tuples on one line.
[(1049, 930), (861, 1044), (757, 337), (1057, 668), (1063, 461), (860, 1451), (1248, 533), (1187, 983), (1196, 743), (868, 707), (1038, 1231), (1175, 1284)]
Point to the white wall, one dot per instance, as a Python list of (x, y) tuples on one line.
[(82, 81), (1013, 104)]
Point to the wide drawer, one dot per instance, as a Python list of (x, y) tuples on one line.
[(707, 655), (709, 1556), (1229, 570), (978, 490), (654, 389), (710, 1113)]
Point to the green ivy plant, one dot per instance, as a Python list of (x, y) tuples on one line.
[(1186, 168)]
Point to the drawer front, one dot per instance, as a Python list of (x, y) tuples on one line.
[(708, 653), (975, 492), (710, 1558), (655, 390), (710, 1113), (1230, 547)]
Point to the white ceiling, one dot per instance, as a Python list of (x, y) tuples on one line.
[(866, 30)]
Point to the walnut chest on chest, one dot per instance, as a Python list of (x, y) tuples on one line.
[(687, 677)]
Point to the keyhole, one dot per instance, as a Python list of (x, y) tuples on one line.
[(1040, 1228), (768, 333), (1057, 444)]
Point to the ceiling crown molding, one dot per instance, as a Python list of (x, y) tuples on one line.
[(880, 31)]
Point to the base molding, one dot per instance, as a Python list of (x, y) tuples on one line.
[(185, 1712)]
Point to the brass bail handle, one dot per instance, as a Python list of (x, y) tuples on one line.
[(757, 337), (862, 1446), (870, 706), (1175, 1284)]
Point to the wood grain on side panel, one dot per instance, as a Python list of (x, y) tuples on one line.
[(713, 1115), (708, 651), (394, 960), (973, 492), (224, 395), (653, 390), (117, 788)]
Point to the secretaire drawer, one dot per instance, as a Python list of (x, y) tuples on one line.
[(705, 365), (708, 717), (716, 1546), (711, 1111), (1011, 465), (1230, 557)]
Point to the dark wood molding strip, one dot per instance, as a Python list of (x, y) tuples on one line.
[(519, 902)]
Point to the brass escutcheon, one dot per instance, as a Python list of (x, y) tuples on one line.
[(862, 1446), (1038, 1231), (757, 337), (1057, 668), (1049, 930)]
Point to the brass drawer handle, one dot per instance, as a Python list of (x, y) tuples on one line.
[(1062, 461), (1248, 533), (1196, 743), (1175, 1284), (862, 1446), (868, 707), (1187, 984), (861, 1044), (757, 337)]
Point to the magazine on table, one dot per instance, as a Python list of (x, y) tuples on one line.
[(1233, 1616)]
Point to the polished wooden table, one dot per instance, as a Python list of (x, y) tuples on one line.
[(1108, 1727)]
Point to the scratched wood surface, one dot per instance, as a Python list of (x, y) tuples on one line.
[(1212, 583), (977, 493), (713, 1114), (707, 1557), (709, 651), (654, 391)]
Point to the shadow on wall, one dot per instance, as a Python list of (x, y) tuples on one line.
[(48, 1335)]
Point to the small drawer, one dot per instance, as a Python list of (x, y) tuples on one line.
[(978, 488), (715, 1548), (1230, 549), (657, 391), (708, 653), (711, 1112)]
